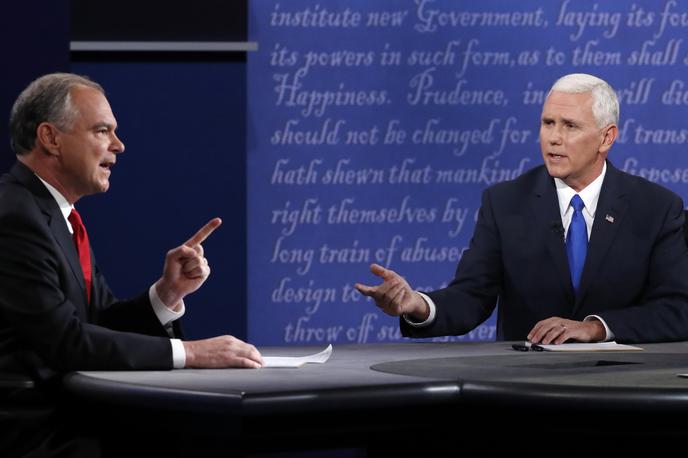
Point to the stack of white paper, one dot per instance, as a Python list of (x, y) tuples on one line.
[(297, 361)]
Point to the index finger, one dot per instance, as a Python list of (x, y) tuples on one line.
[(203, 232), (385, 274)]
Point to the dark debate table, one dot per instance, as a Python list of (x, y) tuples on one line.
[(406, 398)]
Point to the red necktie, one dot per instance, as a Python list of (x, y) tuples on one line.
[(82, 248)]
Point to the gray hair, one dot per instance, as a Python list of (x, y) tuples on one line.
[(46, 99), (605, 104)]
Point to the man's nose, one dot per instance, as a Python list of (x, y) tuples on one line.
[(117, 145), (555, 137)]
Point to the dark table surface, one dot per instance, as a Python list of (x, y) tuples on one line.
[(383, 398), (424, 373)]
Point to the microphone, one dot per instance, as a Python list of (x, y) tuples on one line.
[(556, 227)]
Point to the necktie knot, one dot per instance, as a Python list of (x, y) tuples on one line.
[(577, 203), (76, 222)]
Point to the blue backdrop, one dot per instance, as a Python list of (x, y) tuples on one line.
[(374, 126), (29, 55), (182, 124)]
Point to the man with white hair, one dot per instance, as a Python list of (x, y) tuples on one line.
[(573, 250)]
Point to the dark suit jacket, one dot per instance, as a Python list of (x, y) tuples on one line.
[(46, 324), (635, 275)]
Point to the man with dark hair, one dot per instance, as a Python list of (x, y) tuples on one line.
[(574, 250), (57, 312)]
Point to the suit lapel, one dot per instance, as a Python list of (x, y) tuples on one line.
[(54, 218), (546, 214), (611, 209)]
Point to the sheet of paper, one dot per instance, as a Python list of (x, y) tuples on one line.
[(599, 346), (297, 361)]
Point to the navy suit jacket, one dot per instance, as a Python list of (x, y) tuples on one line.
[(635, 275), (46, 324)]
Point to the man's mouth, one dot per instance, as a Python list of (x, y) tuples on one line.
[(107, 165), (556, 156)]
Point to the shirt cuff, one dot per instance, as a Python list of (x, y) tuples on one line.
[(609, 334), (178, 354), (431, 316), (164, 314)]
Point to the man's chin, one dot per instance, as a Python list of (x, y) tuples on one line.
[(555, 171), (102, 186)]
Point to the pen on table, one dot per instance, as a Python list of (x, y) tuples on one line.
[(527, 346)]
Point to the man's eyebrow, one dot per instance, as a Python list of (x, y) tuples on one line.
[(570, 121), (107, 125), (563, 120)]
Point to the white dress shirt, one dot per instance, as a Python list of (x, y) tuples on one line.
[(164, 314), (590, 196)]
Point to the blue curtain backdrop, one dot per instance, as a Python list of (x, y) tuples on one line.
[(374, 126)]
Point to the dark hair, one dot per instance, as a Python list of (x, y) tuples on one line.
[(46, 99)]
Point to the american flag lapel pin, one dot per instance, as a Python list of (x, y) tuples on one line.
[(609, 218)]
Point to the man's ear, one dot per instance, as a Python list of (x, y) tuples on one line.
[(48, 138), (609, 135)]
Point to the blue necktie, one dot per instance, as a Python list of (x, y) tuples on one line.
[(577, 241)]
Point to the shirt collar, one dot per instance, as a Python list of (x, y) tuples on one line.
[(65, 207), (590, 194)]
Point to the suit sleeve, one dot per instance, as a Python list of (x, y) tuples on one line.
[(39, 313), (661, 313), (472, 295)]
